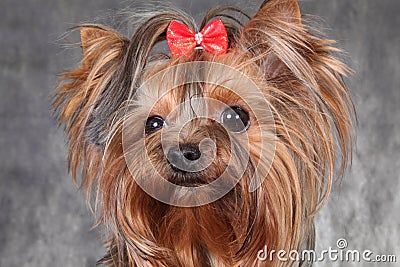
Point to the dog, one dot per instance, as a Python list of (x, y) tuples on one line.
[(204, 153)]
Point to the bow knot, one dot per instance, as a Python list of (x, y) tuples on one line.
[(183, 40), (199, 38)]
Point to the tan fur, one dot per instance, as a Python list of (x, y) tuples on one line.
[(302, 80)]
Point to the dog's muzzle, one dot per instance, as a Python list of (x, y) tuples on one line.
[(185, 158)]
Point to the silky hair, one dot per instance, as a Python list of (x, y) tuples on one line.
[(295, 69)]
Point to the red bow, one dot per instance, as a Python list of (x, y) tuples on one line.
[(183, 40)]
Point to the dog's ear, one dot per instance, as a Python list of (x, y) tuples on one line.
[(270, 32), (92, 36), (88, 96), (285, 10)]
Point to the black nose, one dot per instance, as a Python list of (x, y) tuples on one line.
[(190, 151), (183, 158)]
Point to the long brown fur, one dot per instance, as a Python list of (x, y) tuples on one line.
[(302, 80)]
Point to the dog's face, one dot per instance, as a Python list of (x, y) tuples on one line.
[(203, 160), (193, 125)]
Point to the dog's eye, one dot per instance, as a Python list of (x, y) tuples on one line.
[(153, 124), (235, 119)]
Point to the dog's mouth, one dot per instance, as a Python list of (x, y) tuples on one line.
[(189, 179)]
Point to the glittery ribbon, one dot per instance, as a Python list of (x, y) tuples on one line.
[(183, 40)]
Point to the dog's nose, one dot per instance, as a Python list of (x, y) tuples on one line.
[(183, 158), (190, 152)]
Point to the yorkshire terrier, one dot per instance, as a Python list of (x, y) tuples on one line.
[(227, 141)]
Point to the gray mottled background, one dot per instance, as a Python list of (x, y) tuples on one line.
[(43, 218)]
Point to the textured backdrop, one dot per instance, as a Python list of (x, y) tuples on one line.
[(43, 218)]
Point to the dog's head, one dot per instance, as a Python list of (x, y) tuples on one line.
[(204, 159)]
